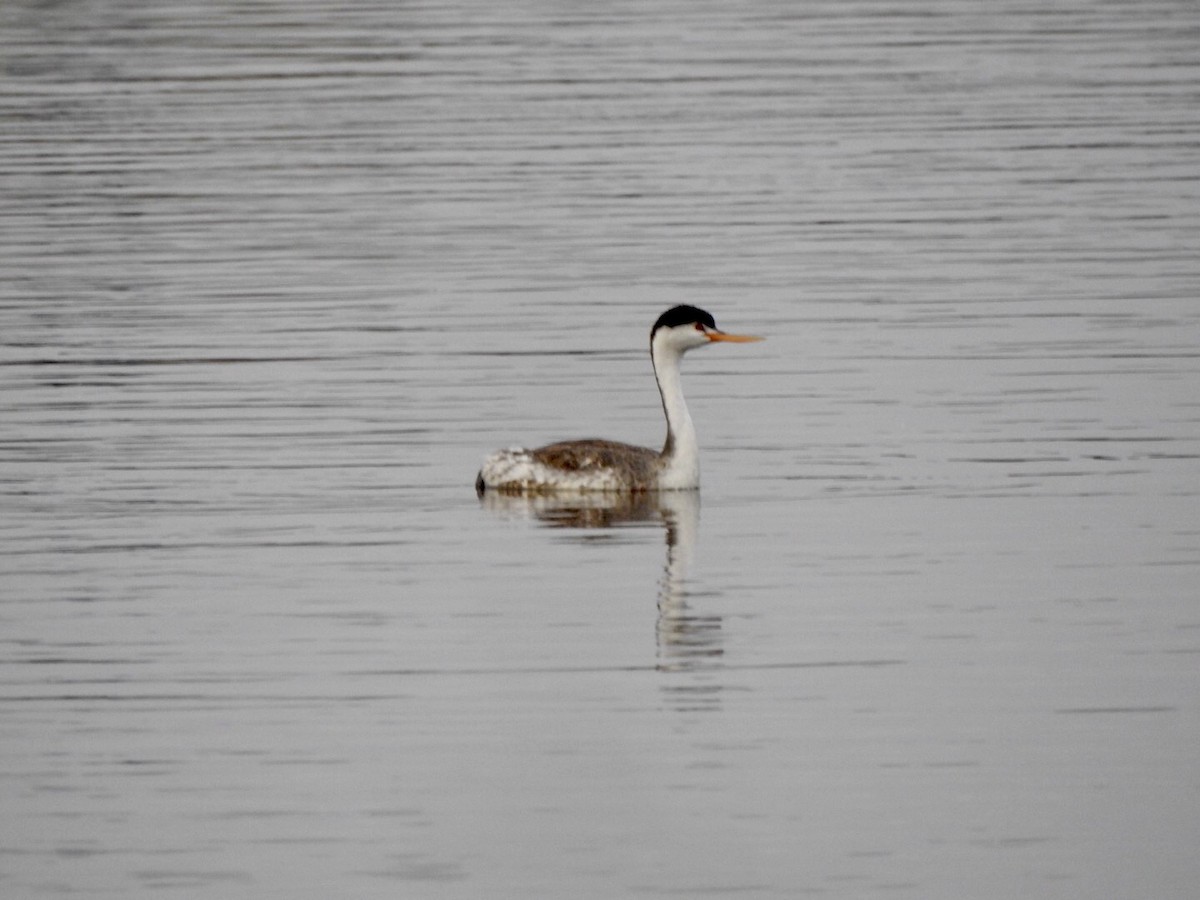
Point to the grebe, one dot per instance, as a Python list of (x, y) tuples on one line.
[(599, 465)]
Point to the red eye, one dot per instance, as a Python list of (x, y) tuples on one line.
[(700, 326)]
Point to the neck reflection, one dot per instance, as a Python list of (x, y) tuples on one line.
[(686, 640)]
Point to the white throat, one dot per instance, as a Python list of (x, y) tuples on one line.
[(680, 455)]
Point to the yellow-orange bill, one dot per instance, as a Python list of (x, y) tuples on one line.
[(732, 338)]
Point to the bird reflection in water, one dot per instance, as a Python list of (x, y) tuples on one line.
[(686, 641)]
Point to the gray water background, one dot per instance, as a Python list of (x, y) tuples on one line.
[(276, 276)]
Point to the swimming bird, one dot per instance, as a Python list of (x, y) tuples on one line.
[(611, 466)]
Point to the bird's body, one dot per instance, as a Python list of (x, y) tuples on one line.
[(588, 465), (611, 466)]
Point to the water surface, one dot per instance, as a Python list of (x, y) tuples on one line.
[(277, 277)]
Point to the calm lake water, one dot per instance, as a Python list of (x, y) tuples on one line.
[(277, 276)]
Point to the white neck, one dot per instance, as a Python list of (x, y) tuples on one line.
[(680, 454)]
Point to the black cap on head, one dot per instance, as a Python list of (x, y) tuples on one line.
[(683, 315)]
